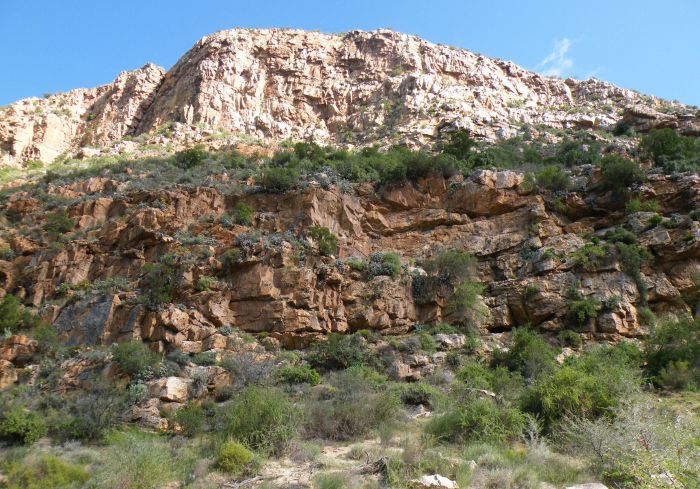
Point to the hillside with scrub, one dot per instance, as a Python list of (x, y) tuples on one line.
[(416, 300)]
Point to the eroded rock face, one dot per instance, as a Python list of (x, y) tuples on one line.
[(42, 129), (280, 286), (357, 88)]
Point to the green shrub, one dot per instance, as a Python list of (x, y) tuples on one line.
[(206, 358), (448, 274), (261, 418), (589, 386), (451, 266), (529, 354), (459, 144), (10, 313), (135, 460), (465, 298), (570, 338), (243, 214), (298, 374), (58, 223), (191, 419), (356, 264), (134, 357), (232, 457), (330, 480), (576, 153), (204, 283), (417, 393), (279, 180), (655, 220), (327, 241), (582, 309), (230, 259), (388, 264), (629, 447), (341, 351), (477, 419), (586, 256), (617, 173), (159, 282), (191, 157), (674, 348), (351, 408), (476, 375), (553, 178), (45, 472), (666, 146), (21, 426), (637, 205), (89, 414), (677, 375)]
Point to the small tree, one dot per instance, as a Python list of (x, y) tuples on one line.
[(327, 241), (134, 357), (618, 173), (553, 178), (58, 223), (279, 180), (243, 214), (459, 145), (191, 157)]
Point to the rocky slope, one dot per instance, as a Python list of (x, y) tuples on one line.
[(357, 88), (531, 253)]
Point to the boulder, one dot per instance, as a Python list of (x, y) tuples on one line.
[(170, 389), (435, 480)]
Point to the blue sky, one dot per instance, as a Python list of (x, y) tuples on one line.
[(651, 46)]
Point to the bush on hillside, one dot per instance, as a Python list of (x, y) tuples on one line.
[(576, 153), (134, 357), (13, 316), (298, 374), (232, 457), (136, 460), (387, 264), (262, 418), (529, 354), (618, 173), (279, 180), (341, 351), (44, 472), (553, 178), (91, 413), (668, 148), (477, 419), (327, 242), (459, 144), (673, 349), (19, 425), (243, 214), (191, 157), (350, 408), (58, 223), (588, 386)]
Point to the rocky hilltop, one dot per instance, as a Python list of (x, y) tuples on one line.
[(356, 88)]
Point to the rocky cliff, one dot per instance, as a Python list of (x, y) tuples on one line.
[(357, 88)]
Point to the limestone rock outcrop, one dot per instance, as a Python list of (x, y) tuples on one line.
[(357, 88)]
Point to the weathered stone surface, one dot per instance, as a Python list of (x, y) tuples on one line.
[(8, 373), (435, 480), (171, 389), (276, 84)]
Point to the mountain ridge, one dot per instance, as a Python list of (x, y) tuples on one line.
[(359, 88)]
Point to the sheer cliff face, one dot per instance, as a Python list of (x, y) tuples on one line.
[(357, 88)]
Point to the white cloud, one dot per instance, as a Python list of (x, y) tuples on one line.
[(557, 63)]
